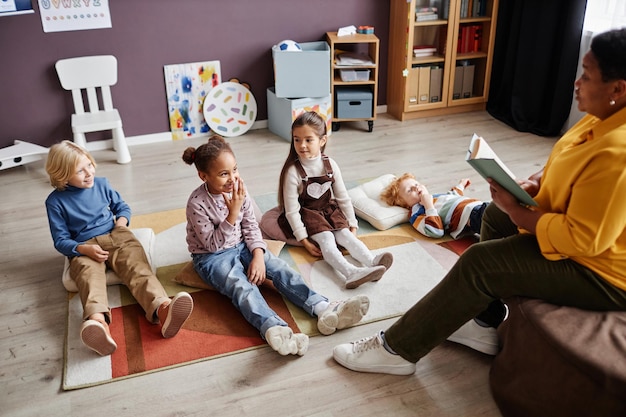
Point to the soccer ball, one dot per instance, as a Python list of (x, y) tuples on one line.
[(289, 45)]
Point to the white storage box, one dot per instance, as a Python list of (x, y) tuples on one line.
[(303, 73), (281, 112), (354, 103), (354, 75)]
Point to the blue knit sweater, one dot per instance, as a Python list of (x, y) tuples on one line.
[(76, 214)]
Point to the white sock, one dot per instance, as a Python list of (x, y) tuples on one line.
[(320, 307), (332, 255), (355, 246)]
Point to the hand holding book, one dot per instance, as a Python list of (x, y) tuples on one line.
[(485, 161)]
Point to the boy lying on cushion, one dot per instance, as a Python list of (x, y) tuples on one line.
[(435, 214)]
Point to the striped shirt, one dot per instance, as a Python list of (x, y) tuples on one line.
[(451, 214)]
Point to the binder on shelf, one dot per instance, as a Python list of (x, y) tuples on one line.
[(413, 83), (436, 80), (468, 81), (423, 89), (457, 88)]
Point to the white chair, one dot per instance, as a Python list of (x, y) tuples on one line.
[(91, 73)]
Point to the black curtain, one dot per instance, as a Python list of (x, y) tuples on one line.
[(535, 62)]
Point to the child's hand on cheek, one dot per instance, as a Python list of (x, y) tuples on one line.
[(235, 200)]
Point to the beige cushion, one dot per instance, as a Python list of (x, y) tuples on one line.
[(189, 277), (368, 205), (147, 239)]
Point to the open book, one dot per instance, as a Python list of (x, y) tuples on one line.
[(485, 161)]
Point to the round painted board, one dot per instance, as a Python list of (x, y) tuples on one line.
[(230, 109)]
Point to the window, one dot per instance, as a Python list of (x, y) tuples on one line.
[(603, 15)]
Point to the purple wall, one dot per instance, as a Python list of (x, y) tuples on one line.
[(148, 34)]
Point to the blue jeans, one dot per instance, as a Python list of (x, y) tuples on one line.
[(226, 272)]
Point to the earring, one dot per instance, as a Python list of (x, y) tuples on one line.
[(612, 102)]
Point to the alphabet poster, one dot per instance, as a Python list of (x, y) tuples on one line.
[(186, 86), (66, 15)]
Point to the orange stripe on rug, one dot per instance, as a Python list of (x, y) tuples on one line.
[(215, 327), (460, 245)]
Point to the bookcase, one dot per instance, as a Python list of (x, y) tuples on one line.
[(440, 56)]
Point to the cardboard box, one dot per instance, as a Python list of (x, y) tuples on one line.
[(303, 73), (354, 103), (281, 112)]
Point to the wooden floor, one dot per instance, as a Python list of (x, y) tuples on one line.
[(451, 381)]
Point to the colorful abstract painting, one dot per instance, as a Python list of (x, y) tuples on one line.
[(186, 86)]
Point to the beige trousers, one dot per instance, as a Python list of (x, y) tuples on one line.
[(129, 261)]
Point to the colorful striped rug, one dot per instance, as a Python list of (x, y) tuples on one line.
[(216, 328)]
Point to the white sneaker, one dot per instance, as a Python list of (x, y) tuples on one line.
[(385, 259), (284, 341), (369, 355), (342, 314), (363, 275), (477, 337)]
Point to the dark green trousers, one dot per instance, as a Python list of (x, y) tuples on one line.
[(503, 264)]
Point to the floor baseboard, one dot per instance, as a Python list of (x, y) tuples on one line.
[(166, 136)]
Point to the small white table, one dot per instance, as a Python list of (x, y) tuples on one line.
[(20, 153)]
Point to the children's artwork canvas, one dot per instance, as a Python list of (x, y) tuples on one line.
[(186, 86), (59, 16)]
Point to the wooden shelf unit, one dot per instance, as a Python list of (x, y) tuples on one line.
[(444, 34), (359, 43)]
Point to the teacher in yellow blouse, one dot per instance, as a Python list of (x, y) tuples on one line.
[(570, 250)]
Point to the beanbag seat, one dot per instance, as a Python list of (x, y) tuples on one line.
[(560, 361)]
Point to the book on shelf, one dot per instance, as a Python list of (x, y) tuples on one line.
[(424, 50), (352, 59), (426, 9), (426, 17), (445, 9), (473, 8), (485, 161), (470, 39)]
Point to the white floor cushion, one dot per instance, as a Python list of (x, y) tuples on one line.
[(368, 205)]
